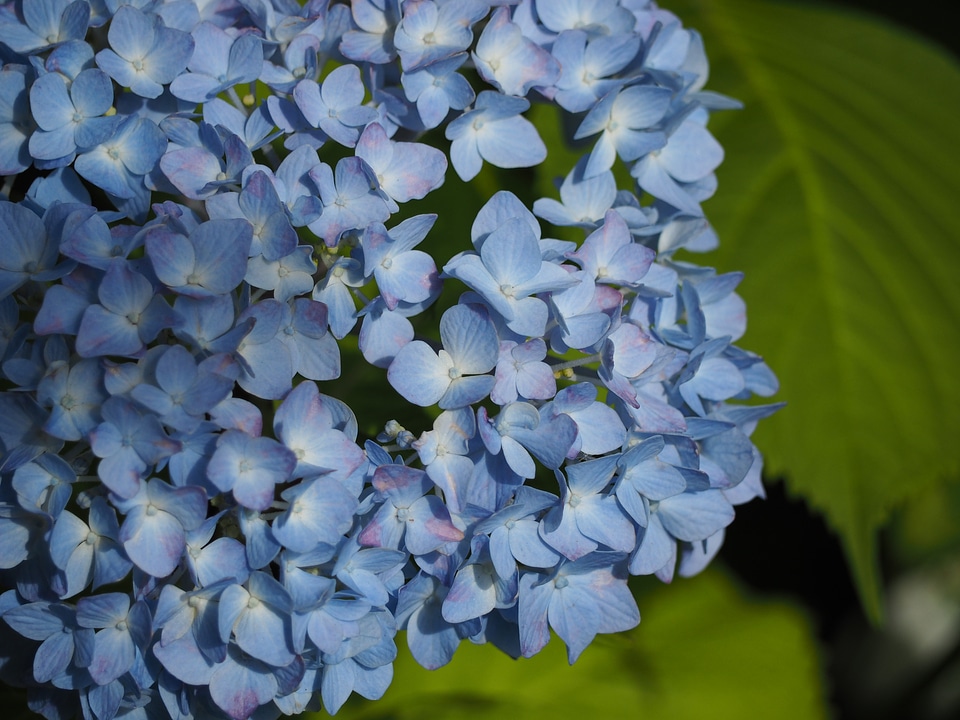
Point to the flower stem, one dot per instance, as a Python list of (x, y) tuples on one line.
[(560, 368)]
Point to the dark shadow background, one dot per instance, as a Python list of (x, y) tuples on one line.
[(925, 17)]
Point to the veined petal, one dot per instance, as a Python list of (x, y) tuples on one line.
[(113, 655), (511, 143), (419, 374), (154, 542), (50, 104), (105, 170), (470, 337), (240, 685), (131, 33)]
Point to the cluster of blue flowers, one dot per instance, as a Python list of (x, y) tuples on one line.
[(197, 211)]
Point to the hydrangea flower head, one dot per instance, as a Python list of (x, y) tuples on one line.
[(273, 400)]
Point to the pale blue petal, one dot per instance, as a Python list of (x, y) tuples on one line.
[(154, 543), (470, 337), (656, 549), (418, 374), (113, 655), (104, 171), (695, 516), (534, 604), (472, 595), (510, 143)]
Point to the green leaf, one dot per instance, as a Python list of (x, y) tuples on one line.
[(838, 198), (925, 530), (702, 650)]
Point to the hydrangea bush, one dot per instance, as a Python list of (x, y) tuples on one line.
[(201, 241)]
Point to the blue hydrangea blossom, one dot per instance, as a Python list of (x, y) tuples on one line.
[(208, 261)]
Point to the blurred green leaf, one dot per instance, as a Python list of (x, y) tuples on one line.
[(926, 528), (838, 198), (702, 650)]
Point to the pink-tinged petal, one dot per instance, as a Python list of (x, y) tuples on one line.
[(414, 171), (190, 170), (472, 595), (428, 526), (384, 530), (240, 685), (113, 655), (535, 381), (375, 147)]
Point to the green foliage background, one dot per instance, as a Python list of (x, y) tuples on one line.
[(707, 651)]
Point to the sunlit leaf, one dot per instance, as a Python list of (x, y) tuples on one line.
[(838, 199)]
